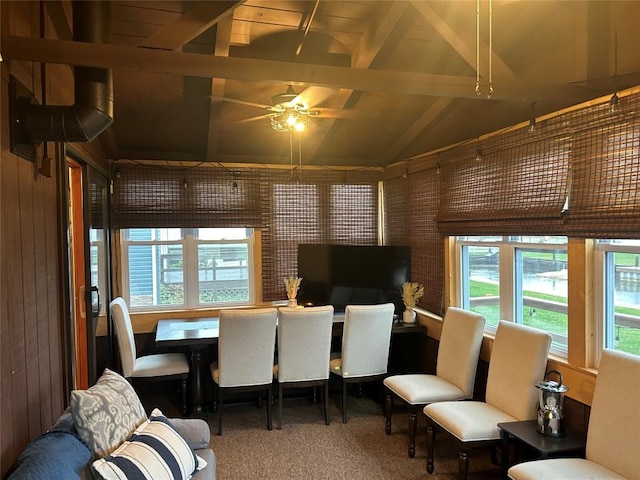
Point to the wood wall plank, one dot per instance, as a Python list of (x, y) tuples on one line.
[(7, 434), (57, 387), (15, 340), (27, 258), (32, 372), (41, 300)]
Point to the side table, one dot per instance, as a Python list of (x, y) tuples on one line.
[(525, 432)]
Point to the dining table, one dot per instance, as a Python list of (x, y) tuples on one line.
[(197, 334), (201, 333)]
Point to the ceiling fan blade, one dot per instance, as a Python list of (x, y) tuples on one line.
[(252, 119), (332, 113), (314, 95), (240, 102)]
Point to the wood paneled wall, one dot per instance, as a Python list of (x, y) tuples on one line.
[(31, 340), (32, 343)]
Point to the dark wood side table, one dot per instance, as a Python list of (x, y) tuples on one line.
[(525, 432)]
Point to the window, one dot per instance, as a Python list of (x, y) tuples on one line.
[(97, 265), (187, 267), (518, 278), (480, 276), (618, 298)]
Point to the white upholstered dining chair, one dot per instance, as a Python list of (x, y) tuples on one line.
[(613, 445), (518, 360), (159, 366), (366, 339), (246, 348), (304, 349), (455, 375)]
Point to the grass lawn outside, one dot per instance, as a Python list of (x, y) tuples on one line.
[(626, 338)]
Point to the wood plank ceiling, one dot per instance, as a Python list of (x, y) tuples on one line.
[(192, 79)]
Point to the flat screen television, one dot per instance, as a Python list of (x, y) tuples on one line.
[(342, 275)]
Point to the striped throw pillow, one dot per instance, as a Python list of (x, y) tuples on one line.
[(154, 451)]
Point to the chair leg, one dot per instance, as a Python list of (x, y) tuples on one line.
[(505, 453), (344, 401), (493, 454), (431, 440), (326, 402), (269, 402), (184, 397), (279, 406), (220, 402), (413, 426), (388, 405), (463, 465)]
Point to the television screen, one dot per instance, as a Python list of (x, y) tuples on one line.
[(342, 275)]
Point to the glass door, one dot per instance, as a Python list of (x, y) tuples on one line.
[(97, 268)]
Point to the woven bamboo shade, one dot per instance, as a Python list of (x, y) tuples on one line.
[(519, 184), (323, 207), (605, 172), (411, 203), (153, 197), (290, 207)]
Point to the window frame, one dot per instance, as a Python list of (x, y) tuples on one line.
[(508, 247), (605, 324), (190, 243)]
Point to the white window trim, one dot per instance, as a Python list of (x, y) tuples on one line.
[(190, 282), (507, 266), (600, 291)]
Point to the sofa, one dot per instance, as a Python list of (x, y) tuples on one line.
[(117, 447)]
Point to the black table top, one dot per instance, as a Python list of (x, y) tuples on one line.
[(526, 431), (199, 331)]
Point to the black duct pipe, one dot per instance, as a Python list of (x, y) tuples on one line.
[(92, 111)]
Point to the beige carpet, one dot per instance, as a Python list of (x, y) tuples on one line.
[(306, 448)]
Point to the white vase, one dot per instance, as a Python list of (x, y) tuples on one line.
[(409, 315), (292, 303)]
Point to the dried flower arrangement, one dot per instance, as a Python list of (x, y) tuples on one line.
[(411, 293), (292, 284)]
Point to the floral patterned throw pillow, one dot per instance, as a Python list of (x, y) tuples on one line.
[(107, 413)]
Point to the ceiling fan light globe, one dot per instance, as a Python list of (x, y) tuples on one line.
[(292, 119)]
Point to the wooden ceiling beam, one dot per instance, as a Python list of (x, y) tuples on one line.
[(223, 42), (55, 10), (430, 115), (377, 34), (201, 17), (206, 66), (363, 55), (461, 42), (417, 126)]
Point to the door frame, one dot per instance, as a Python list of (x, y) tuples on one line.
[(76, 251), (90, 176), (90, 171)]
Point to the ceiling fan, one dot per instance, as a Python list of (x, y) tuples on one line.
[(290, 111)]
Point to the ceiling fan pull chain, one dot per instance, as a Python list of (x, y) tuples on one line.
[(478, 47), (291, 152)]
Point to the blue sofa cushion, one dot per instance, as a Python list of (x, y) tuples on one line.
[(54, 454)]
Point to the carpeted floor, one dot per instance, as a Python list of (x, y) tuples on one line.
[(306, 448)]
